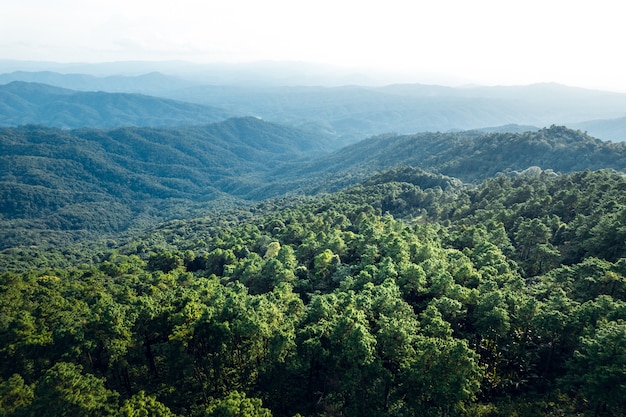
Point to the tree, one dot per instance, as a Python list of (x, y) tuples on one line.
[(14, 393), (164, 261), (236, 404), (598, 368), (535, 251), (272, 250), (444, 374), (64, 390), (608, 236), (339, 348), (142, 405), (325, 264), (278, 315), (553, 324)]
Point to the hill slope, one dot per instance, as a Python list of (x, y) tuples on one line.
[(91, 179), (353, 112), (105, 180), (469, 156), (31, 103)]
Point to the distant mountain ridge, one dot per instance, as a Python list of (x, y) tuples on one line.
[(609, 129), (24, 103), (152, 83), (353, 112)]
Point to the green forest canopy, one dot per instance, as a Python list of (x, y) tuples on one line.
[(407, 294)]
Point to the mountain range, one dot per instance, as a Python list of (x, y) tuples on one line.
[(33, 103), (350, 112), (360, 111)]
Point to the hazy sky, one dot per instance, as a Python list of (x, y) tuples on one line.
[(482, 41)]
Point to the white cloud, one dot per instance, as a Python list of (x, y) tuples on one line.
[(485, 40)]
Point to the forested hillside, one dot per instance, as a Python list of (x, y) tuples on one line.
[(90, 181), (109, 180), (407, 294), (471, 156), (246, 268), (23, 103)]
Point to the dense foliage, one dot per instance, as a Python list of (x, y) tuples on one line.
[(474, 155), (91, 180), (408, 294), (488, 286), (57, 186)]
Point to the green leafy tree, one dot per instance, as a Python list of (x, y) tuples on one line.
[(142, 405), (165, 261), (14, 394), (64, 390), (445, 374), (236, 404), (532, 238), (325, 264), (598, 368), (337, 343), (553, 323), (272, 250)]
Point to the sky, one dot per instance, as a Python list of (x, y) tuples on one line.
[(491, 42)]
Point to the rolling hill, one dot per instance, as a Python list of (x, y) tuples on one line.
[(24, 103), (102, 180), (471, 156), (427, 281), (110, 180), (608, 129)]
